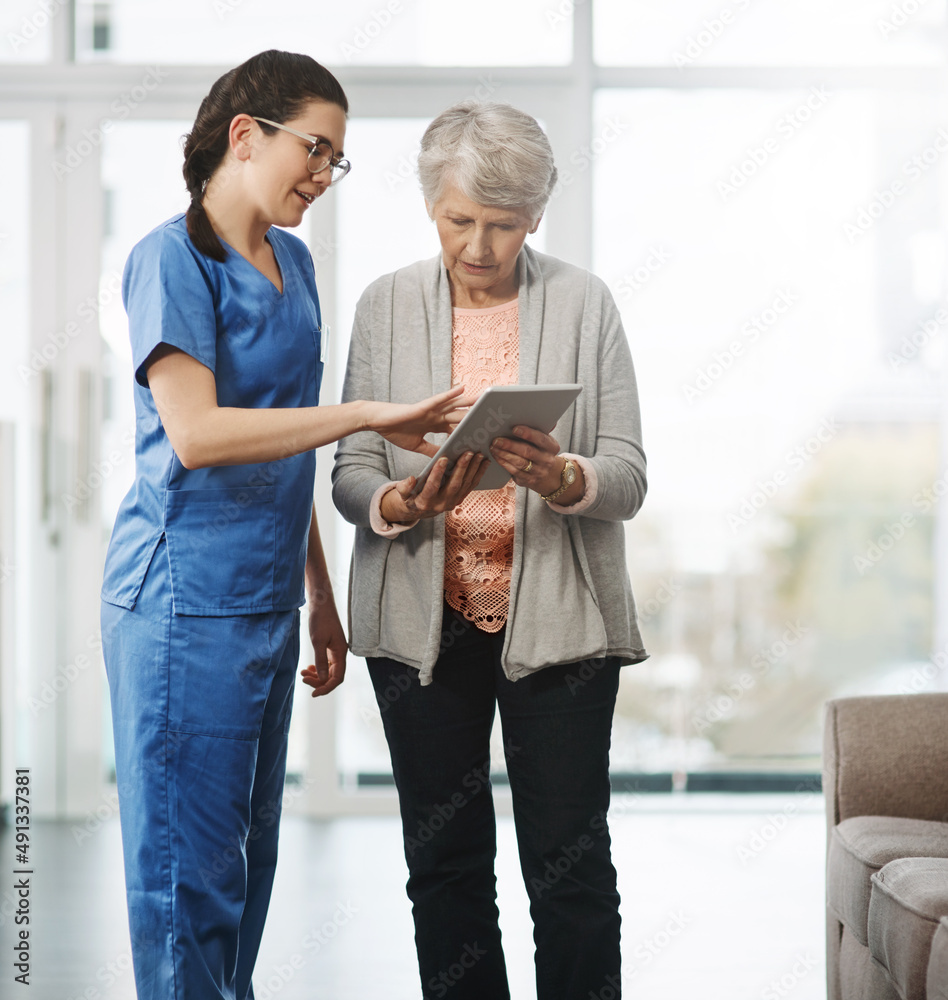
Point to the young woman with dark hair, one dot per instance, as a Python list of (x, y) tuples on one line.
[(212, 546)]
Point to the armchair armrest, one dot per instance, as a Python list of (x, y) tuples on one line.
[(886, 756)]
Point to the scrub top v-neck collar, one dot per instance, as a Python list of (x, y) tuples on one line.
[(277, 256)]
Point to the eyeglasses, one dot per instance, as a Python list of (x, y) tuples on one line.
[(321, 154)]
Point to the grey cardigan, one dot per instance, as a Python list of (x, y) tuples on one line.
[(570, 596)]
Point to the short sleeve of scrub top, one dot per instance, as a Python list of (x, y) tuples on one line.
[(172, 301), (236, 535)]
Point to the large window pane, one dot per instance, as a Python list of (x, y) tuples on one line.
[(382, 222), (26, 29), (426, 32), (771, 33), (778, 258)]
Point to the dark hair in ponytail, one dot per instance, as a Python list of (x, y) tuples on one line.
[(272, 84)]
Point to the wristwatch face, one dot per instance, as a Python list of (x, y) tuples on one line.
[(569, 474)]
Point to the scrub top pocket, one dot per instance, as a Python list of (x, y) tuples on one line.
[(222, 550)]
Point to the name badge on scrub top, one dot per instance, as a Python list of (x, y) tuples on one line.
[(324, 343)]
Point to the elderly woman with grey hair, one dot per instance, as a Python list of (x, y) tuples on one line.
[(465, 601)]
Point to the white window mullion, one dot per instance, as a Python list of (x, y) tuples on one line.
[(39, 599), (568, 218)]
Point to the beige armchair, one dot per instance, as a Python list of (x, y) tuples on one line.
[(885, 781)]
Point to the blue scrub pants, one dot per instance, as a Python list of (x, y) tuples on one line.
[(200, 710)]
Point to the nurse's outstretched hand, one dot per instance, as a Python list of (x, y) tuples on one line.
[(406, 424), (329, 642)]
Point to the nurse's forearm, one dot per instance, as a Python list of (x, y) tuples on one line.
[(318, 580), (326, 633), (231, 436), (204, 434)]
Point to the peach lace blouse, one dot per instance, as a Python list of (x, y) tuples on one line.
[(479, 532)]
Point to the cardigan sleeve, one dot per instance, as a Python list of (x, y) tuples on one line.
[(617, 457), (377, 522), (362, 463)]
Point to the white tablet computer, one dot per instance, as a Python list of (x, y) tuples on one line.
[(496, 412)]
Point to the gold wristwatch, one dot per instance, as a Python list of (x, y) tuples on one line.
[(567, 478)]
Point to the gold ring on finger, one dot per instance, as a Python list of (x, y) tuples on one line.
[(529, 465)]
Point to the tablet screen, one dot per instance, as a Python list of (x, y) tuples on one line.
[(496, 412)]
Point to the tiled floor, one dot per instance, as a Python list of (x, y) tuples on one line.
[(722, 900)]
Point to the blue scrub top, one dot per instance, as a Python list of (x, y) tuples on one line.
[(237, 534)]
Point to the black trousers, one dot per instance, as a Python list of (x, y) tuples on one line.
[(557, 727)]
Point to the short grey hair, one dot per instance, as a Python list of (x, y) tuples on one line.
[(493, 153)]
